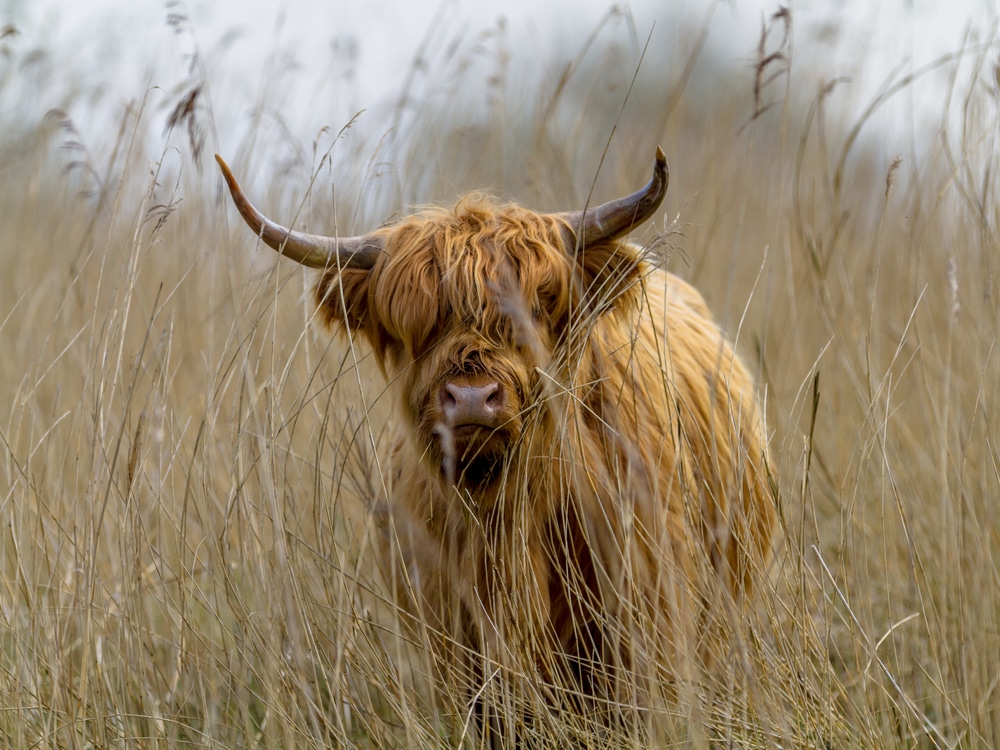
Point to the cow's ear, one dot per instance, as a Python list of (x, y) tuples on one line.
[(610, 269), (342, 297)]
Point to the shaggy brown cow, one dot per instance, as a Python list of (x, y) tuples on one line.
[(578, 454)]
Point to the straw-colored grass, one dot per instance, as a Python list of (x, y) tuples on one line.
[(184, 456)]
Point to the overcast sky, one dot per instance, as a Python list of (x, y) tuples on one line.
[(126, 45)]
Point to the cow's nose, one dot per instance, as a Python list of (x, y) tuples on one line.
[(464, 404)]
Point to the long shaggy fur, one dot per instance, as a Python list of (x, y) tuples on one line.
[(578, 543)]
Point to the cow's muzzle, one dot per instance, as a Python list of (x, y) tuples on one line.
[(467, 404)]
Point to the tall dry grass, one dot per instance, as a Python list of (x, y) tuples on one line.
[(185, 460)]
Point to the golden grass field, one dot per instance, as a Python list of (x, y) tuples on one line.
[(185, 456)]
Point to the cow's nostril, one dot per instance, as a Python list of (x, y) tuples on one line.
[(464, 404), (494, 399)]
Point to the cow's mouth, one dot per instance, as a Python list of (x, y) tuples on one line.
[(471, 454), (480, 472)]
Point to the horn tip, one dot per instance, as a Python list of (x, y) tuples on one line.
[(227, 173), (660, 170), (661, 161)]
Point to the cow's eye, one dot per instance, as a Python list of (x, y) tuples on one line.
[(545, 306)]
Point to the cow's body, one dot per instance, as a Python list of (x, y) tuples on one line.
[(647, 459), (579, 454)]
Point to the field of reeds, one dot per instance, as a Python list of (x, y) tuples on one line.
[(186, 457)]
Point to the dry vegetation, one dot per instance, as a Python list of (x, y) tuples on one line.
[(185, 460)]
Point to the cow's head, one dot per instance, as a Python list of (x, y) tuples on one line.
[(463, 306)]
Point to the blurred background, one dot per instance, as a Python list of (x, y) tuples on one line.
[(317, 64), (352, 56)]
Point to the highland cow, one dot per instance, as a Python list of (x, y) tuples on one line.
[(578, 456)]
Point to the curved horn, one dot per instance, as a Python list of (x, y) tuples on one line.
[(615, 218), (311, 250)]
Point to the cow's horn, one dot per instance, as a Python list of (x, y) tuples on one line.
[(617, 217), (311, 250)]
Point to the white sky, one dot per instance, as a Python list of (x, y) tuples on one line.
[(126, 44)]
